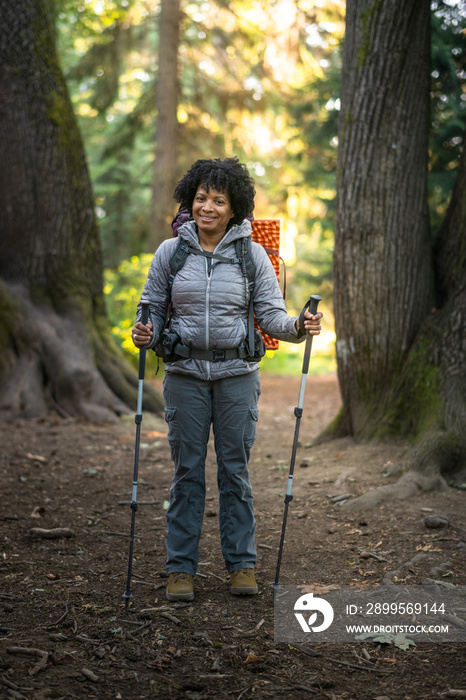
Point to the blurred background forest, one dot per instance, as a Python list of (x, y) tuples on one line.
[(259, 79)]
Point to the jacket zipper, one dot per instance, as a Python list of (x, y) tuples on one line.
[(207, 313)]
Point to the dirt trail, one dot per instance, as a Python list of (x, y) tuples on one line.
[(64, 597)]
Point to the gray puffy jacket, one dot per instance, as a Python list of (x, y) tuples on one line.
[(210, 302)]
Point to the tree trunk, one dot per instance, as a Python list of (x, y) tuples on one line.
[(400, 302), (166, 151), (56, 347), (383, 272)]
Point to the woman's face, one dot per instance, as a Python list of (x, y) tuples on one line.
[(212, 212)]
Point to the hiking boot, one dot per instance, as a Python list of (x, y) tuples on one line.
[(180, 586), (243, 582)]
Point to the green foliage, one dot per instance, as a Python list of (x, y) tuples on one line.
[(254, 81), (285, 362), (122, 289), (236, 68), (448, 102)]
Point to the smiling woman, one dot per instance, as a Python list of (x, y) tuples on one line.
[(211, 375), (212, 213)]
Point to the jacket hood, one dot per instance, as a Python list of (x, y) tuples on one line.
[(188, 232)]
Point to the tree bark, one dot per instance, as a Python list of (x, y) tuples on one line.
[(166, 151), (383, 272), (56, 347), (400, 301)]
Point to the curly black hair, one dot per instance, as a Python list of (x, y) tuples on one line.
[(227, 175)]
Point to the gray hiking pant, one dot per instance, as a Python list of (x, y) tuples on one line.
[(191, 406)]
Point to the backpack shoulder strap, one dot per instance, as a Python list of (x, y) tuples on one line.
[(248, 268), (175, 264), (178, 259), (243, 252)]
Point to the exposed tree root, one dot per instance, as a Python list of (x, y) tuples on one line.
[(60, 361), (439, 454), (409, 485)]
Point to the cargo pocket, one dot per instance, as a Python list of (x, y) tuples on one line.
[(250, 431), (173, 429)]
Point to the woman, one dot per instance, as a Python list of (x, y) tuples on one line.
[(209, 313)]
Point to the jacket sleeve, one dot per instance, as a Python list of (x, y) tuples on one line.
[(269, 305), (156, 289)]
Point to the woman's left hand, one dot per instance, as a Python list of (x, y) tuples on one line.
[(311, 322)]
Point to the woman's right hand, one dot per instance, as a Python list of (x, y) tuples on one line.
[(142, 334)]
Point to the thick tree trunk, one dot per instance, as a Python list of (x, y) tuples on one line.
[(166, 151), (383, 271), (55, 344), (400, 302)]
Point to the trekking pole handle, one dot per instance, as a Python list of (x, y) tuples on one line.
[(144, 312), (142, 353), (312, 305)]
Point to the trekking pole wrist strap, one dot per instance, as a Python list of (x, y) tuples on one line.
[(312, 305)]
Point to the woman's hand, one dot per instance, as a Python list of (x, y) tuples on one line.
[(311, 323), (142, 334)]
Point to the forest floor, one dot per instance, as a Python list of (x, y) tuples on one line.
[(63, 628)]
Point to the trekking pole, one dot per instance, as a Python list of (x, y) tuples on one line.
[(138, 420), (312, 305)]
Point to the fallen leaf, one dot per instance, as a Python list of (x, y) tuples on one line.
[(251, 658), (399, 640), (429, 547)]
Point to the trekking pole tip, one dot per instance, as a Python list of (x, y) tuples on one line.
[(127, 596)]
